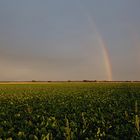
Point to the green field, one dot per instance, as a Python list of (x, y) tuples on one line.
[(83, 111)]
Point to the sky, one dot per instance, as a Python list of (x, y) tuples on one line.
[(69, 40)]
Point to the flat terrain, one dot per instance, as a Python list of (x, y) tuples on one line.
[(69, 110)]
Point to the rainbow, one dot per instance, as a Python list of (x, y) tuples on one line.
[(107, 60), (105, 52)]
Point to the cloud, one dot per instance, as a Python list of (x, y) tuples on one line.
[(26, 64)]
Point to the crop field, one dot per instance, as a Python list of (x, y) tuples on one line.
[(70, 111)]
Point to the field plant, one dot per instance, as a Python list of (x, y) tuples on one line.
[(70, 111)]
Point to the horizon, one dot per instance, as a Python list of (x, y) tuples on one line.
[(84, 81)]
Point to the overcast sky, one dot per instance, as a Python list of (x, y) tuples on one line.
[(54, 39)]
